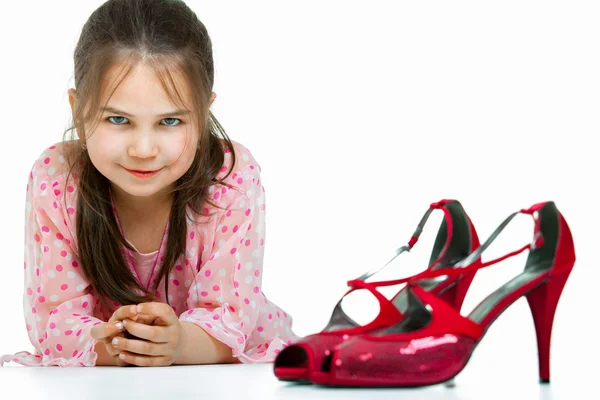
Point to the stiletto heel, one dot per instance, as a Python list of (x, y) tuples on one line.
[(433, 342), (543, 302), (456, 238)]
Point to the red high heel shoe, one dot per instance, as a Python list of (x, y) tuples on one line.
[(440, 341), (456, 239)]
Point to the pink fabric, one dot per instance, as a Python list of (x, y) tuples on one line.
[(143, 264), (224, 298)]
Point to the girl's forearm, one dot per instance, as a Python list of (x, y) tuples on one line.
[(199, 347)]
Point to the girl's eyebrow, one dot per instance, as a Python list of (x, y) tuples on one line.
[(165, 115)]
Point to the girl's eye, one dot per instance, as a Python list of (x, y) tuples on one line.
[(117, 118), (172, 119), (170, 123)]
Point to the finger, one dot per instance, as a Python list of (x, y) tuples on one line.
[(110, 350), (106, 330), (141, 347), (124, 312), (121, 363), (145, 361), (153, 333), (146, 319), (163, 311), (114, 353)]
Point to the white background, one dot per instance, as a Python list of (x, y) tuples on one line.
[(361, 114)]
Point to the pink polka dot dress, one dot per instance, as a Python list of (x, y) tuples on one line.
[(224, 297)]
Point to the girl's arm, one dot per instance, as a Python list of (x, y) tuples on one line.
[(201, 348), (57, 303), (225, 301)]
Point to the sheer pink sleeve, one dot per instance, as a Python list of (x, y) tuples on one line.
[(227, 295), (56, 303)]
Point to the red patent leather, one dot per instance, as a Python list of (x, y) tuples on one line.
[(304, 359), (438, 351)]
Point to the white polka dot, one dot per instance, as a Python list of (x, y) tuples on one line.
[(249, 279), (188, 283), (54, 297), (245, 156), (81, 338), (69, 257), (276, 324), (75, 327), (55, 332), (37, 318), (247, 319), (262, 335), (80, 287), (222, 272), (51, 171), (71, 274), (195, 297), (43, 193), (248, 266), (52, 274), (69, 305), (253, 304), (61, 159), (241, 313), (221, 243), (69, 320), (170, 298), (58, 243)]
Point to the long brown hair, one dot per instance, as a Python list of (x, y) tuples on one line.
[(168, 37)]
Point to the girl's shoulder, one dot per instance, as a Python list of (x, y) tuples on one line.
[(51, 172), (246, 163)]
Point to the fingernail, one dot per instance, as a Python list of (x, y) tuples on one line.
[(115, 341), (133, 309), (124, 322), (122, 356), (139, 308), (119, 325)]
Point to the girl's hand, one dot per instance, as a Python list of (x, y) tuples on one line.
[(107, 331), (163, 339)]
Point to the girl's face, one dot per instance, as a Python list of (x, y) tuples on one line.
[(140, 130)]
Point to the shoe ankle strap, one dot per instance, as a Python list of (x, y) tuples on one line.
[(439, 205), (466, 265)]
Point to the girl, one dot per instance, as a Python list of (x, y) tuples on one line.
[(144, 236)]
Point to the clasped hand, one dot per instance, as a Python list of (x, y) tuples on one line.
[(157, 330)]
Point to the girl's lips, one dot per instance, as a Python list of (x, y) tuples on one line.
[(143, 174)]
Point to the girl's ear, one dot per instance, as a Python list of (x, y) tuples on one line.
[(72, 100), (213, 96), (72, 95)]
